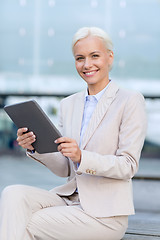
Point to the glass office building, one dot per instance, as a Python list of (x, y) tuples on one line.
[(36, 56)]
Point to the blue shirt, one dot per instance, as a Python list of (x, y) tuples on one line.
[(89, 106)]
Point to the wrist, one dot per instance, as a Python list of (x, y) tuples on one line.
[(31, 151)]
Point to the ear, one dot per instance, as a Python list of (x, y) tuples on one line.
[(111, 54), (111, 58)]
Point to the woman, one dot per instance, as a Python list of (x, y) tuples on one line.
[(104, 129)]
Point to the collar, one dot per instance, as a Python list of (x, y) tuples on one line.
[(98, 95)]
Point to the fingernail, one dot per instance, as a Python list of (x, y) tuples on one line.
[(55, 141)]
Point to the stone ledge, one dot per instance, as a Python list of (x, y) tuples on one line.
[(129, 236)]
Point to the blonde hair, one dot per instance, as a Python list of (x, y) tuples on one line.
[(93, 31)]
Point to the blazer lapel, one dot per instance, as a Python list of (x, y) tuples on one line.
[(77, 116), (99, 112)]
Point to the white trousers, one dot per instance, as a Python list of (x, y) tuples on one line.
[(30, 213)]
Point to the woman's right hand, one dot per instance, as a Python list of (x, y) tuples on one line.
[(25, 138)]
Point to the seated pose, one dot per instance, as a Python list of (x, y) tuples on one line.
[(103, 129)]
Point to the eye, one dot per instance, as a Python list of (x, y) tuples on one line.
[(79, 58), (95, 56)]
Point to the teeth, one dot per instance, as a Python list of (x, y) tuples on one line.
[(89, 73)]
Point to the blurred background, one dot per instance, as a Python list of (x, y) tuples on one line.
[(36, 62)]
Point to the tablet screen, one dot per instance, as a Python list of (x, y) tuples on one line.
[(29, 114)]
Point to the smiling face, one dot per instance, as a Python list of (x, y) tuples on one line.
[(92, 61)]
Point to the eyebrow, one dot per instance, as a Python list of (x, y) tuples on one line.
[(78, 55)]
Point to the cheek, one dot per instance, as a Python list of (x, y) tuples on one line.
[(105, 63), (78, 66), (101, 64)]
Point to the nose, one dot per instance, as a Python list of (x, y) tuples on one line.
[(87, 63)]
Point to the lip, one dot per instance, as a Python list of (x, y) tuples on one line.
[(90, 73)]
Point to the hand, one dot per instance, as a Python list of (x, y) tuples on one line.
[(25, 139), (69, 148)]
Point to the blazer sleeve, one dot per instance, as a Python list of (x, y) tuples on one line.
[(132, 131), (55, 162)]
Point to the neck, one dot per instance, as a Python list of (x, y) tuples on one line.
[(93, 90)]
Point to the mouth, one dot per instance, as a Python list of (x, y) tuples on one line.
[(90, 73)]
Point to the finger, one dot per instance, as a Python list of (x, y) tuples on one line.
[(67, 145), (27, 141), (70, 149), (30, 147), (65, 149), (21, 131), (25, 136), (63, 140), (27, 146), (72, 153)]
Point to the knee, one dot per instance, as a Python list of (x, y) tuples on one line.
[(12, 192)]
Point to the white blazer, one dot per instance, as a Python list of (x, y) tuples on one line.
[(111, 148)]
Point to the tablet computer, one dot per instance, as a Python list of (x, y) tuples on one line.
[(29, 114)]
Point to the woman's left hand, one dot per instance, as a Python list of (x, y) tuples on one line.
[(69, 148)]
